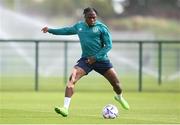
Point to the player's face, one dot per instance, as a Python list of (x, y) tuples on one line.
[(90, 18)]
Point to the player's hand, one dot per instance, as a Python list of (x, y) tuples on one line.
[(45, 30), (91, 60)]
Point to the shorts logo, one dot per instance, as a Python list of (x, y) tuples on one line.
[(95, 29)]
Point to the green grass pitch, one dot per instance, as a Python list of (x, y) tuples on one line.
[(86, 107), (20, 104)]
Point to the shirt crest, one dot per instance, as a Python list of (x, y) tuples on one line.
[(80, 29), (95, 29)]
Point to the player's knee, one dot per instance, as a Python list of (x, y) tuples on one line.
[(70, 85)]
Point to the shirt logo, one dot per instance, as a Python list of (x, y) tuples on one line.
[(80, 29), (95, 29)]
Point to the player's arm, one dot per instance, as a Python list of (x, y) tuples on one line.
[(107, 43), (60, 31)]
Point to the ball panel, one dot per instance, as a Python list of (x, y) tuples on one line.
[(110, 111)]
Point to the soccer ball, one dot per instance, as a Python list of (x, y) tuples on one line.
[(110, 111)]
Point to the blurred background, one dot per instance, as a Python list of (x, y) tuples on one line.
[(140, 19), (128, 20)]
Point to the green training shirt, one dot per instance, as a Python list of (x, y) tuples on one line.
[(95, 40)]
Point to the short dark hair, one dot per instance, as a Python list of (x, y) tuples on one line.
[(89, 9)]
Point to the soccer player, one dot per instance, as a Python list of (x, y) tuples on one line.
[(95, 41)]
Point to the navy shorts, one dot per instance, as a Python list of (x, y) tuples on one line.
[(99, 66)]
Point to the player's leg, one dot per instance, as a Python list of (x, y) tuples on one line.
[(112, 77), (76, 74)]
